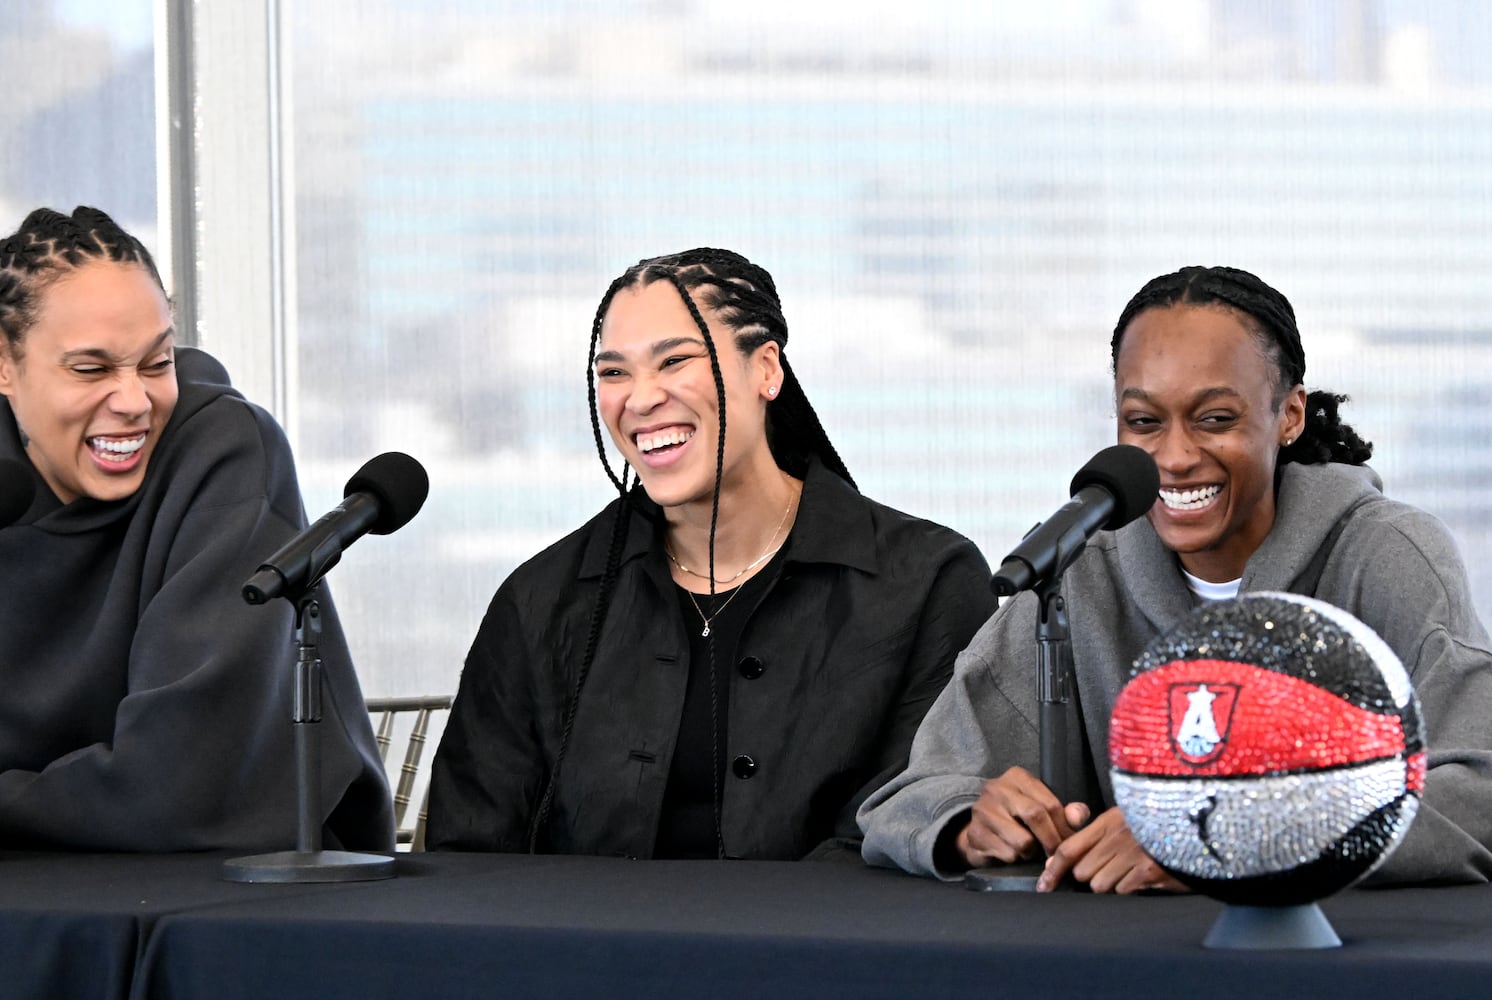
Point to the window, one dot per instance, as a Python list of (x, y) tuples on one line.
[(955, 200)]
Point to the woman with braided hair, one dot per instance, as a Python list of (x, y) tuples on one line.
[(147, 707), (735, 651), (1262, 487)]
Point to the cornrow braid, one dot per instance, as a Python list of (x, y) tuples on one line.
[(1271, 319), (45, 249), (743, 297)]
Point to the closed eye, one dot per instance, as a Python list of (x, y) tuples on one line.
[(1216, 421)]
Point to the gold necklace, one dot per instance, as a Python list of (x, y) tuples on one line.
[(716, 613), (769, 553)]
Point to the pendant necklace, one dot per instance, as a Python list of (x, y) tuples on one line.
[(716, 613)]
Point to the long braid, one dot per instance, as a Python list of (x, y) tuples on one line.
[(46, 248), (607, 589), (715, 750), (593, 634), (590, 385), (793, 405), (1271, 319)]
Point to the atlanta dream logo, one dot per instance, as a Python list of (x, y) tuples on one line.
[(1200, 716), (1268, 750)]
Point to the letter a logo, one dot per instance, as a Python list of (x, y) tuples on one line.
[(1200, 717)]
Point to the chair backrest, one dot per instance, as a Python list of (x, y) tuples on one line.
[(391, 716)]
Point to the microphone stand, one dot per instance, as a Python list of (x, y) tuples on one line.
[(1054, 697), (1053, 684), (308, 862)]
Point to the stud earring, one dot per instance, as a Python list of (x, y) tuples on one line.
[(772, 392)]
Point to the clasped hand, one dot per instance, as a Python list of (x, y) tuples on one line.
[(1016, 816)]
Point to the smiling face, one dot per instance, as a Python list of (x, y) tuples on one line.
[(656, 394), (93, 383), (1194, 388)]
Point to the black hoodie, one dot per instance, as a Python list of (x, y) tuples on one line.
[(143, 705)]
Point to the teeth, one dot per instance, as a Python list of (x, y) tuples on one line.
[(654, 441), (1189, 499), (119, 450)]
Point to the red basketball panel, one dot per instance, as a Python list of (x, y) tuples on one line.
[(1215, 717)]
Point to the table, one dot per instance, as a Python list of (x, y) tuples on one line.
[(75, 925), (514, 926)]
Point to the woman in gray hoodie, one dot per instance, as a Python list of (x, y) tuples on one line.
[(1262, 487)]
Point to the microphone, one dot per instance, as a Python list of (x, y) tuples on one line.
[(380, 498), (1117, 485), (16, 490)]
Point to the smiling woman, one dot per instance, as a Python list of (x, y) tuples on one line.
[(729, 657), (146, 703), (1263, 488), (93, 383)]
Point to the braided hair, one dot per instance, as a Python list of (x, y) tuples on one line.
[(47, 247), (743, 297), (1268, 315)]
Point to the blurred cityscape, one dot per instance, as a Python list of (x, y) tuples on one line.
[(956, 201)]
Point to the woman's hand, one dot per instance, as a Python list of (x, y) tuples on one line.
[(1106, 857), (1014, 818)]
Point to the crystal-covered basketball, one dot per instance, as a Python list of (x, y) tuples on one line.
[(1268, 750)]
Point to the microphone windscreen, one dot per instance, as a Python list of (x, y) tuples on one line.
[(1129, 474), (400, 485), (17, 490)]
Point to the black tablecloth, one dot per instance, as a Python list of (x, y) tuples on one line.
[(512, 926), (75, 925)]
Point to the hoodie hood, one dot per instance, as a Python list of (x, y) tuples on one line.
[(1311, 501), (201, 380)]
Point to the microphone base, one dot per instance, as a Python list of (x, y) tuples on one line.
[(1003, 878), (309, 866)]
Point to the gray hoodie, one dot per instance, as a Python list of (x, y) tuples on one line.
[(1392, 566)]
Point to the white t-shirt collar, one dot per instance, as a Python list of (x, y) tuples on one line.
[(1212, 591)]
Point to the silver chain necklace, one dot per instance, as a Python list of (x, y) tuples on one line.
[(769, 553)]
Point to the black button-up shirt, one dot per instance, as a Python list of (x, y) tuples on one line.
[(858, 630)]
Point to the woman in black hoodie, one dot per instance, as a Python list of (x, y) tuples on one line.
[(147, 707)]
